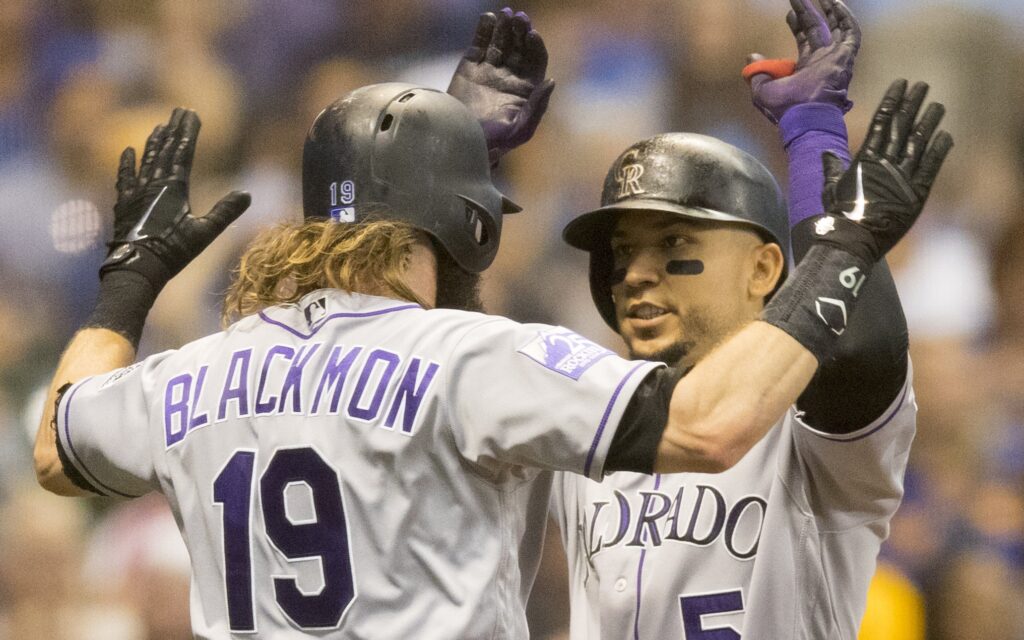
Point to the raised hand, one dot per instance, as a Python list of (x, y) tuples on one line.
[(155, 233), (827, 44), (889, 180), (501, 80)]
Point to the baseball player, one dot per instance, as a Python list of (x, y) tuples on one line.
[(348, 460), (783, 544)]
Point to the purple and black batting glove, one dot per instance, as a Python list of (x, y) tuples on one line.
[(827, 43), (155, 233), (501, 80)]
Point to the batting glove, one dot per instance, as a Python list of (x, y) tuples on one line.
[(501, 80), (827, 45), (155, 233), (873, 204)]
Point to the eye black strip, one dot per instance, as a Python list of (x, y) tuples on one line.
[(685, 267)]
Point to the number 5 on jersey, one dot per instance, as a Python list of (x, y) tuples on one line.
[(324, 536), (696, 607)]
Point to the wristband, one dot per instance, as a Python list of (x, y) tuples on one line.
[(818, 298), (125, 299)]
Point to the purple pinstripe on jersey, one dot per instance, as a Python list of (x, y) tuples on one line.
[(363, 314), (640, 575), (71, 445), (604, 419)]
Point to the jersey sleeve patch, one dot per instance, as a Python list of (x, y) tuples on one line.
[(563, 351), (119, 374)]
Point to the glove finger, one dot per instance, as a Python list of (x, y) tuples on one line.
[(126, 174), (163, 165), (832, 166), (903, 121), (918, 141), (803, 48), (176, 118), (878, 132), (931, 163), (153, 144), (828, 10), (500, 38), (514, 55), (482, 37), (530, 117), (181, 164), (812, 23), (849, 28), (535, 57), (832, 170), (226, 211)]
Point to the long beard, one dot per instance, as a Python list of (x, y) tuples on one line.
[(456, 288)]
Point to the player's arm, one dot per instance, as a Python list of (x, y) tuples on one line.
[(730, 399), (501, 80), (808, 100), (90, 352), (155, 237)]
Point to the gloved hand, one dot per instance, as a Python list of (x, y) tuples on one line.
[(155, 233), (826, 46), (501, 80), (873, 204)]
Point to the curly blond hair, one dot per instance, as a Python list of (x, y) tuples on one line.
[(285, 262)]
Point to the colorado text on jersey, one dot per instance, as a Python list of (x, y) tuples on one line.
[(697, 515)]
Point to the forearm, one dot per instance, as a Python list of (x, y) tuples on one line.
[(90, 352), (807, 131), (726, 404), (869, 367)]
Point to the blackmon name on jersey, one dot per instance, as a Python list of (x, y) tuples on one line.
[(190, 399)]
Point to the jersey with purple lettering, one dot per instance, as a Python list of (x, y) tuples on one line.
[(354, 466), (783, 545)]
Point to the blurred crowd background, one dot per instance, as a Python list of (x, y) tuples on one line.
[(80, 80)]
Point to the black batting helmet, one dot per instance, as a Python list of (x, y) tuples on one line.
[(688, 174), (403, 152)]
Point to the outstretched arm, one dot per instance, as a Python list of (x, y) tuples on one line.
[(501, 80), (155, 237), (732, 397), (870, 365)]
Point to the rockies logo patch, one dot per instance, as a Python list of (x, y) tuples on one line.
[(564, 352)]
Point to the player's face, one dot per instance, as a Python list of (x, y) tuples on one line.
[(680, 286)]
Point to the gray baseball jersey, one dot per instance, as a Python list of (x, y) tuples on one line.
[(353, 466), (781, 546)]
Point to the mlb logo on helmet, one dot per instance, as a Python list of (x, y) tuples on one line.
[(343, 214)]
